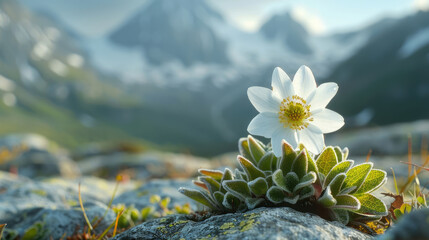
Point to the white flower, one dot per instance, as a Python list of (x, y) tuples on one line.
[(294, 111)]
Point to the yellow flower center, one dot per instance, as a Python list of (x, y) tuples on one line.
[(295, 113)]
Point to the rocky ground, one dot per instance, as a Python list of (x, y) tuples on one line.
[(39, 196)]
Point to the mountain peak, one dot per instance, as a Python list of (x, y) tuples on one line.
[(288, 30), (168, 30)]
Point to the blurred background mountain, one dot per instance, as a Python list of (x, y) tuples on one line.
[(173, 74)]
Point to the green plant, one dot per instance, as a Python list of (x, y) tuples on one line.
[(327, 183), (131, 215)]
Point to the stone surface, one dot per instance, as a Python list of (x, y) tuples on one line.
[(140, 197), (386, 140), (35, 156), (54, 203), (411, 226), (261, 223), (146, 165)]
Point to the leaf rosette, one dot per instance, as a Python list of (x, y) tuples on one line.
[(297, 178)]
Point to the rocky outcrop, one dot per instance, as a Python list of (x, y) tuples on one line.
[(261, 223), (34, 156), (411, 226), (147, 165)]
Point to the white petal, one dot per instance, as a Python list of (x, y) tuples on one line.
[(328, 121), (312, 138), (281, 83), (264, 124), (263, 99), (322, 95), (304, 82), (283, 133)]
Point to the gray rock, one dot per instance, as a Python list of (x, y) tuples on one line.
[(411, 226), (387, 140), (144, 166), (32, 141), (53, 202), (37, 157), (261, 223), (140, 197)]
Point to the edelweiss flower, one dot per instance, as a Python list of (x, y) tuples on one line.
[(294, 111)]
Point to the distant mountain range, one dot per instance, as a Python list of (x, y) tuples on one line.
[(176, 73)]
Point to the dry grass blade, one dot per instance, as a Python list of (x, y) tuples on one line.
[(424, 149), (368, 155), (410, 155), (394, 181), (116, 222), (83, 211), (107, 230), (2, 227)]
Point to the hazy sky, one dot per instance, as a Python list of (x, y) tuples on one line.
[(98, 17)]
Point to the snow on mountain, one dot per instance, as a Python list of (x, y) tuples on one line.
[(414, 42), (187, 43)]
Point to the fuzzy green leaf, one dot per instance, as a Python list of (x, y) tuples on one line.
[(269, 180), (288, 156), (240, 175), (230, 201), (371, 206), (238, 188), (336, 183), (339, 154), (300, 164), (279, 180), (215, 174), (342, 216), (243, 148), (347, 202), (341, 167), (275, 194), (218, 196), (251, 203), (326, 160), (357, 175), (307, 180), (256, 150), (291, 180), (227, 175), (311, 163), (397, 213), (251, 170), (321, 178), (266, 162), (373, 181), (274, 163), (327, 199), (345, 153), (292, 199), (258, 186), (211, 184), (198, 196), (347, 190), (306, 192)]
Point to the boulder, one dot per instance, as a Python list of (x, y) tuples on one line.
[(385, 140), (52, 207), (34, 156), (414, 225), (260, 223), (140, 197), (145, 166)]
